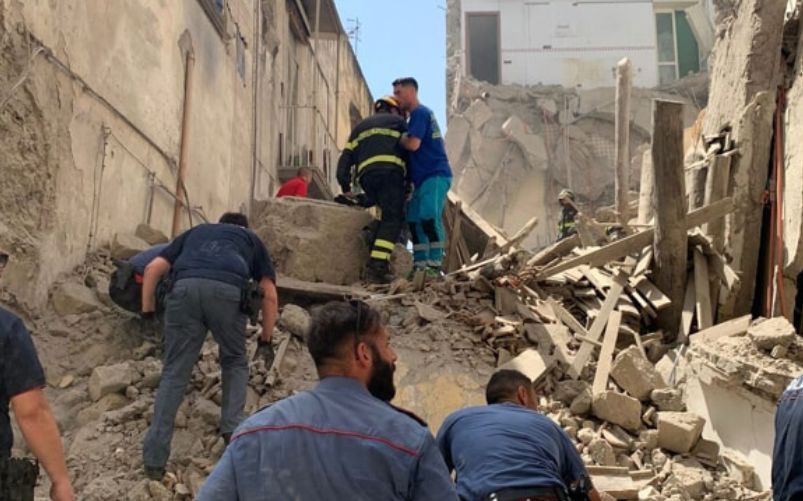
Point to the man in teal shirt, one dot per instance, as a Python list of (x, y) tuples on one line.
[(431, 176)]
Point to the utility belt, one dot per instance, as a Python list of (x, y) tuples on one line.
[(530, 494), (18, 479)]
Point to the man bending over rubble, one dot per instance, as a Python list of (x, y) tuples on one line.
[(507, 451), (21, 383), (341, 440), (212, 269)]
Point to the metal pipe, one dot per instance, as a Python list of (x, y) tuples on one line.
[(255, 84), (181, 191)]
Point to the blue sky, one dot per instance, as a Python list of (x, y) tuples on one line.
[(402, 39)]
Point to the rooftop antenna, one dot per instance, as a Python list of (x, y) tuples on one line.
[(354, 32)]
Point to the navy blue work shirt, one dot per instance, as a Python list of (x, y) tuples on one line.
[(336, 442), (507, 446), (787, 455), (430, 159), (224, 252), (20, 371), (141, 260)]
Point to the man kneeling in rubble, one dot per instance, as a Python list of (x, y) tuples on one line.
[(341, 440), (507, 451)]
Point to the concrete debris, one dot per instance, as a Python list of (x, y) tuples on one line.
[(109, 379), (679, 431), (635, 374), (668, 399), (150, 235), (74, 299), (769, 333), (618, 408), (295, 320), (125, 246)]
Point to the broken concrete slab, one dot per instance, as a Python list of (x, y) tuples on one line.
[(108, 379), (125, 246), (73, 299), (769, 333), (150, 234), (530, 363), (635, 374), (689, 476), (329, 233), (601, 452), (531, 145), (295, 320), (618, 408), (668, 399), (478, 113), (679, 431)]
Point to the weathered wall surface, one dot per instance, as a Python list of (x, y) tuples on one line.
[(745, 71), (91, 137)]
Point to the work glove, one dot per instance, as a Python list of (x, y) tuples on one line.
[(265, 352)]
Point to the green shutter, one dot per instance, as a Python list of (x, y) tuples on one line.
[(688, 50)]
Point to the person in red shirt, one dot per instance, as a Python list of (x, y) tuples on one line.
[(296, 187)]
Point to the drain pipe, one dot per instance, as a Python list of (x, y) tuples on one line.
[(181, 187)]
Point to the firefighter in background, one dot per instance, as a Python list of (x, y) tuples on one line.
[(380, 162), (567, 225)]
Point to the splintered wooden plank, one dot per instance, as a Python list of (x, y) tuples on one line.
[(731, 328), (586, 349), (687, 315), (567, 318), (637, 241), (606, 354), (644, 262), (554, 251), (651, 293), (702, 291)]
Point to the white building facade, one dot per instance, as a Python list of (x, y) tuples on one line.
[(577, 43)]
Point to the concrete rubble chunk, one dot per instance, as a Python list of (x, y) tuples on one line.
[(207, 411), (739, 468), (125, 246), (295, 320), (618, 408), (635, 374), (679, 431), (668, 399), (688, 475), (581, 405), (478, 113), (566, 391), (73, 299), (329, 233), (767, 334), (150, 234), (531, 144), (108, 379), (601, 452)]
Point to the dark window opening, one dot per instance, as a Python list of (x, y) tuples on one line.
[(483, 54), (216, 12)]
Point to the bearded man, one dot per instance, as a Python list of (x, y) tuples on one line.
[(342, 439)]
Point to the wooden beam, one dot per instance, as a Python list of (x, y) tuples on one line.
[(554, 251), (453, 260), (594, 333), (567, 318), (606, 354), (624, 83), (633, 243), (702, 291), (670, 246), (646, 188), (716, 188), (687, 316), (735, 327)]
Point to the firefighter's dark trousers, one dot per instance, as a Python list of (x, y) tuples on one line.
[(385, 186)]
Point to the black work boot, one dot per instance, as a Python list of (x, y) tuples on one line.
[(155, 472), (378, 272)]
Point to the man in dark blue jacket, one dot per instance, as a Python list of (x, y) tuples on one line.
[(787, 455), (211, 266)]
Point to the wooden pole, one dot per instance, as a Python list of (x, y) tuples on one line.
[(646, 187), (670, 248), (624, 82), (716, 188)]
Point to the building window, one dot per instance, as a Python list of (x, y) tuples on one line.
[(678, 51), (483, 46), (216, 12)]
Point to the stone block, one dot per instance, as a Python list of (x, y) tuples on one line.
[(635, 374), (602, 452), (679, 431), (109, 379), (668, 399), (618, 408), (767, 334), (328, 233), (531, 145), (295, 320), (581, 405), (125, 246), (150, 234), (207, 411), (689, 476), (566, 391), (74, 299)]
